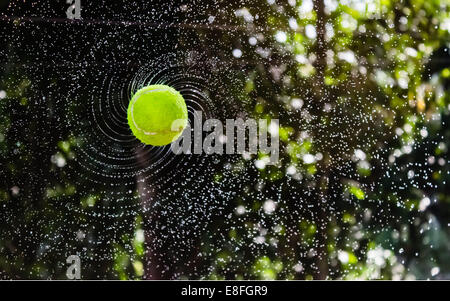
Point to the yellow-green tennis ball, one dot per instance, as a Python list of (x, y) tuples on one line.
[(157, 115)]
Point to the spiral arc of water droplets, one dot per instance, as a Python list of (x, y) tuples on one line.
[(107, 150)]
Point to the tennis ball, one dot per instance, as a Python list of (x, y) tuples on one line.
[(157, 115)]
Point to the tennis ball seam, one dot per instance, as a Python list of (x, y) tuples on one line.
[(133, 101)]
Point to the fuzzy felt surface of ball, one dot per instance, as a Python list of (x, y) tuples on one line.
[(157, 115)]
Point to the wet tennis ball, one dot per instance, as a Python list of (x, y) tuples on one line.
[(157, 115)]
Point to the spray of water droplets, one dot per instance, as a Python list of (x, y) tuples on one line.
[(107, 149)]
